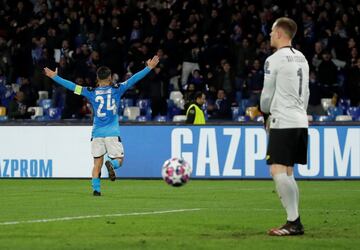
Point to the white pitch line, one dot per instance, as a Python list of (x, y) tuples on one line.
[(97, 216), (303, 209)]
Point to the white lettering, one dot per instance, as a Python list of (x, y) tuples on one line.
[(235, 134), (181, 136), (255, 148), (207, 153), (332, 153)]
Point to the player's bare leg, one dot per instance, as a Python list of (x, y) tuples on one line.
[(98, 162), (289, 195), (113, 164)]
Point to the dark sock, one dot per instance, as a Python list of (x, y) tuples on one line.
[(295, 222)]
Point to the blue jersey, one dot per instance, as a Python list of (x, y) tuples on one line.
[(105, 101)]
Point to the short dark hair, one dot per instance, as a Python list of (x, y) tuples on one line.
[(198, 94), (103, 73), (288, 25)]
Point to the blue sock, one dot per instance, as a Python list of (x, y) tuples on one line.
[(95, 182), (115, 163)]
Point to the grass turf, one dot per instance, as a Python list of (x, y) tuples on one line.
[(233, 215)]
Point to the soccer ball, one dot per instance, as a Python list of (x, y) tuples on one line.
[(176, 172)]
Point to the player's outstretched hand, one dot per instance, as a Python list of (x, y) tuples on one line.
[(50, 73), (151, 63)]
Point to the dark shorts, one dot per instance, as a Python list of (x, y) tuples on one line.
[(287, 146)]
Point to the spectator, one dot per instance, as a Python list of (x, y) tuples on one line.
[(255, 82), (136, 32), (226, 80), (92, 64), (327, 73), (211, 96), (170, 45), (352, 59), (263, 52), (65, 51), (191, 34), (314, 107), (5, 60), (317, 58), (29, 93), (6, 94), (74, 103), (17, 107), (3, 79), (189, 95), (353, 86), (244, 55), (197, 79), (221, 109), (156, 89), (191, 58), (153, 30)]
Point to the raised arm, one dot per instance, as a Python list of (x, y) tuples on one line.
[(65, 83), (150, 64), (77, 89), (137, 77)]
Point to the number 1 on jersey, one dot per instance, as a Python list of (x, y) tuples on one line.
[(300, 75)]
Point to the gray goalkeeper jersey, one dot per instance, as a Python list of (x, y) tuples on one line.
[(286, 89)]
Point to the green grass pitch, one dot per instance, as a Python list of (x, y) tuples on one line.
[(232, 215)]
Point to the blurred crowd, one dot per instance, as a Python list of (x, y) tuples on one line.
[(218, 47)]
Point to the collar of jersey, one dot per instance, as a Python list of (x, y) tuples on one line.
[(101, 87), (290, 47)]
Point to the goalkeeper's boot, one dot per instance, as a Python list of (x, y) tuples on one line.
[(111, 170), (96, 193), (290, 228)]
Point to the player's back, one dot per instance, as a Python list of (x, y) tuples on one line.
[(291, 94), (105, 101)]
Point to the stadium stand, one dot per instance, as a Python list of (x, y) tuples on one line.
[(160, 118), (225, 50), (179, 118), (323, 118), (343, 118), (37, 112), (354, 112), (141, 118), (42, 95), (2, 111), (132, 112)]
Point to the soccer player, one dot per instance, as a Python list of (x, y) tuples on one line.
[(105, 100), (285, 98)]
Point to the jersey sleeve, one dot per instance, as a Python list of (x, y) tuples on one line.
[(77, 89), (134, 79), (306, 97), (65, 83), (268, 90)]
